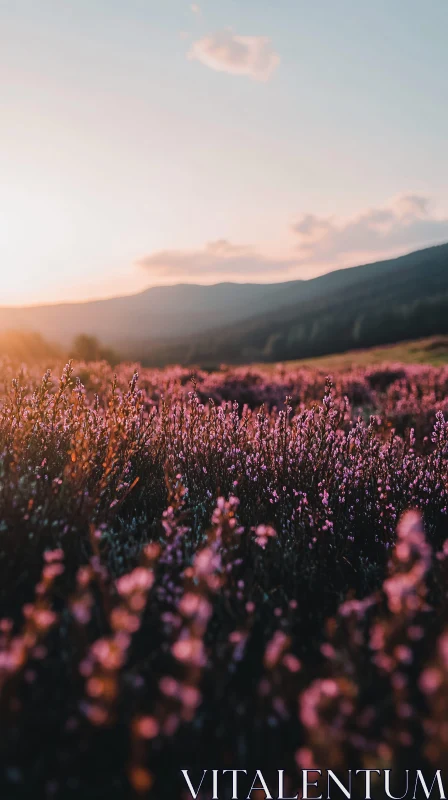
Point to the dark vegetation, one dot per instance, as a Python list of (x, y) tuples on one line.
[(195, 582), (368, 306), (88, 348)]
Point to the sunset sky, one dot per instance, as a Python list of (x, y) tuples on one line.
[(148, 142)]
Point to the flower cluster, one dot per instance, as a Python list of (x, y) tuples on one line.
[(249, 566)]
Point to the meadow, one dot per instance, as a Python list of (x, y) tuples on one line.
[(238, 569)]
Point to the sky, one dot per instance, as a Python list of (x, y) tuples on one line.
[(146, 142)]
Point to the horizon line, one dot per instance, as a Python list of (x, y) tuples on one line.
[(108, 298)]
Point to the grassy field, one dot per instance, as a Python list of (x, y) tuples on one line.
[(433, 350)]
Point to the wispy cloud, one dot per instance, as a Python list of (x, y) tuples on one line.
[(404, 223), (225, 51), (322, 243), (219, 259)]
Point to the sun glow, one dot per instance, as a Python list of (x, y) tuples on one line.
[(32, 228)]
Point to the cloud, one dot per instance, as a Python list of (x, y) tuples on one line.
[(403, 224), (217, 260), (195, 8), (224, 51)]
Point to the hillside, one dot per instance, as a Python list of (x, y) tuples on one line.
[(366, 306), (159, 313), (369, 306), (432, 351)]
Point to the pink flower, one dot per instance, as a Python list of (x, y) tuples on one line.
[(263, 533), (292, 663), (430, 680), (139, 580), (53, 555), (275, 649), (189, 650), (146, 727)]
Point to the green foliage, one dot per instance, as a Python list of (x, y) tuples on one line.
[(363, 307), (433, 350), (88, 348)]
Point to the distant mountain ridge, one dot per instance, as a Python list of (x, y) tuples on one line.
[(158, 313), (365, 306), (375, 304)]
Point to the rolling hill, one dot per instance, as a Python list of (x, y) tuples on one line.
[(159, 313), (360, 307), (432, 351), (368, 306)]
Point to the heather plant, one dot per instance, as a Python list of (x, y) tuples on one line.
[(376, 644), (230, 569)]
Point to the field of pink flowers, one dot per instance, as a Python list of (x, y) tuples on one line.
[(241, 569)]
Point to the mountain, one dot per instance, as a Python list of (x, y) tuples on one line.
[(365, 306), (159, 313), (371, 305)]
